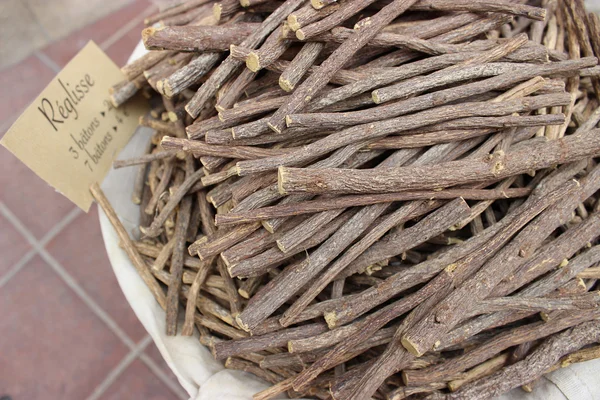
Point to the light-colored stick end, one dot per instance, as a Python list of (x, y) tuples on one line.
[(253, 62), (410, 346), (281, 246), (217, 10), (375, 97), (331, 319), (241, 323), (293, 22), (267, 226), (317, 4), (285, 85), (288, 120), (274, 128), (281, 180), (172, 116)]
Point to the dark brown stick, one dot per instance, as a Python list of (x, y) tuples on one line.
[(257, 343), (188, 75), (482, 6), (299, 65), (294, 180), (227, 67), (432, 225), (383, 128), (258, 265), (221, 241), (199, 148), (534, 365), (156, 227), (314, 206), (313, 84), (137, 67), (197, 38), (129, 246), (325, 120)]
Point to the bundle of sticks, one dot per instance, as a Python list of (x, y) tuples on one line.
[(384, 199)]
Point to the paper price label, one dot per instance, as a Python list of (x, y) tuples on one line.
[(71, 133)]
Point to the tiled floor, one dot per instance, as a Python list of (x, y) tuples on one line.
[(66, 331)]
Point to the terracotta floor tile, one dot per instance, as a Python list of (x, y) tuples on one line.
[(120, 51), (53, 346), (79, 248), (24, 81), (154, 354), (63, 50), (33, 201), (13, 246), (19, 32), (138, 382), (60, 17)]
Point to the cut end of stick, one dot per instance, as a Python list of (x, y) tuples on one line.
[(300, 35), (317, 4), (288, 120), (267, 225), (281, 177), (244, 3), (244, 293), (281, 246), (217, 10), (166, 87), (241, 323), (273, 127), (150, 231), (331, 319), (172, 116), (253, 62), (527, 388), (285, 85), (410, 346), (293, 22), (375, 97), (286, 321), (147, 33), (453, 386), (159, 86)]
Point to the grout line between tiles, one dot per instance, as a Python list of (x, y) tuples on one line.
[(121, 32), (175, 387), (60, 226), (67, 278), (47, 61), (114, 374), (31, 253), (38, 248), (17, 267), (38, 23)]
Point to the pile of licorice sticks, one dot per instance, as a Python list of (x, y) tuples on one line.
[(373, 199)]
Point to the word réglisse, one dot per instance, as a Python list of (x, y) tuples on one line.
[(60, 110)]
